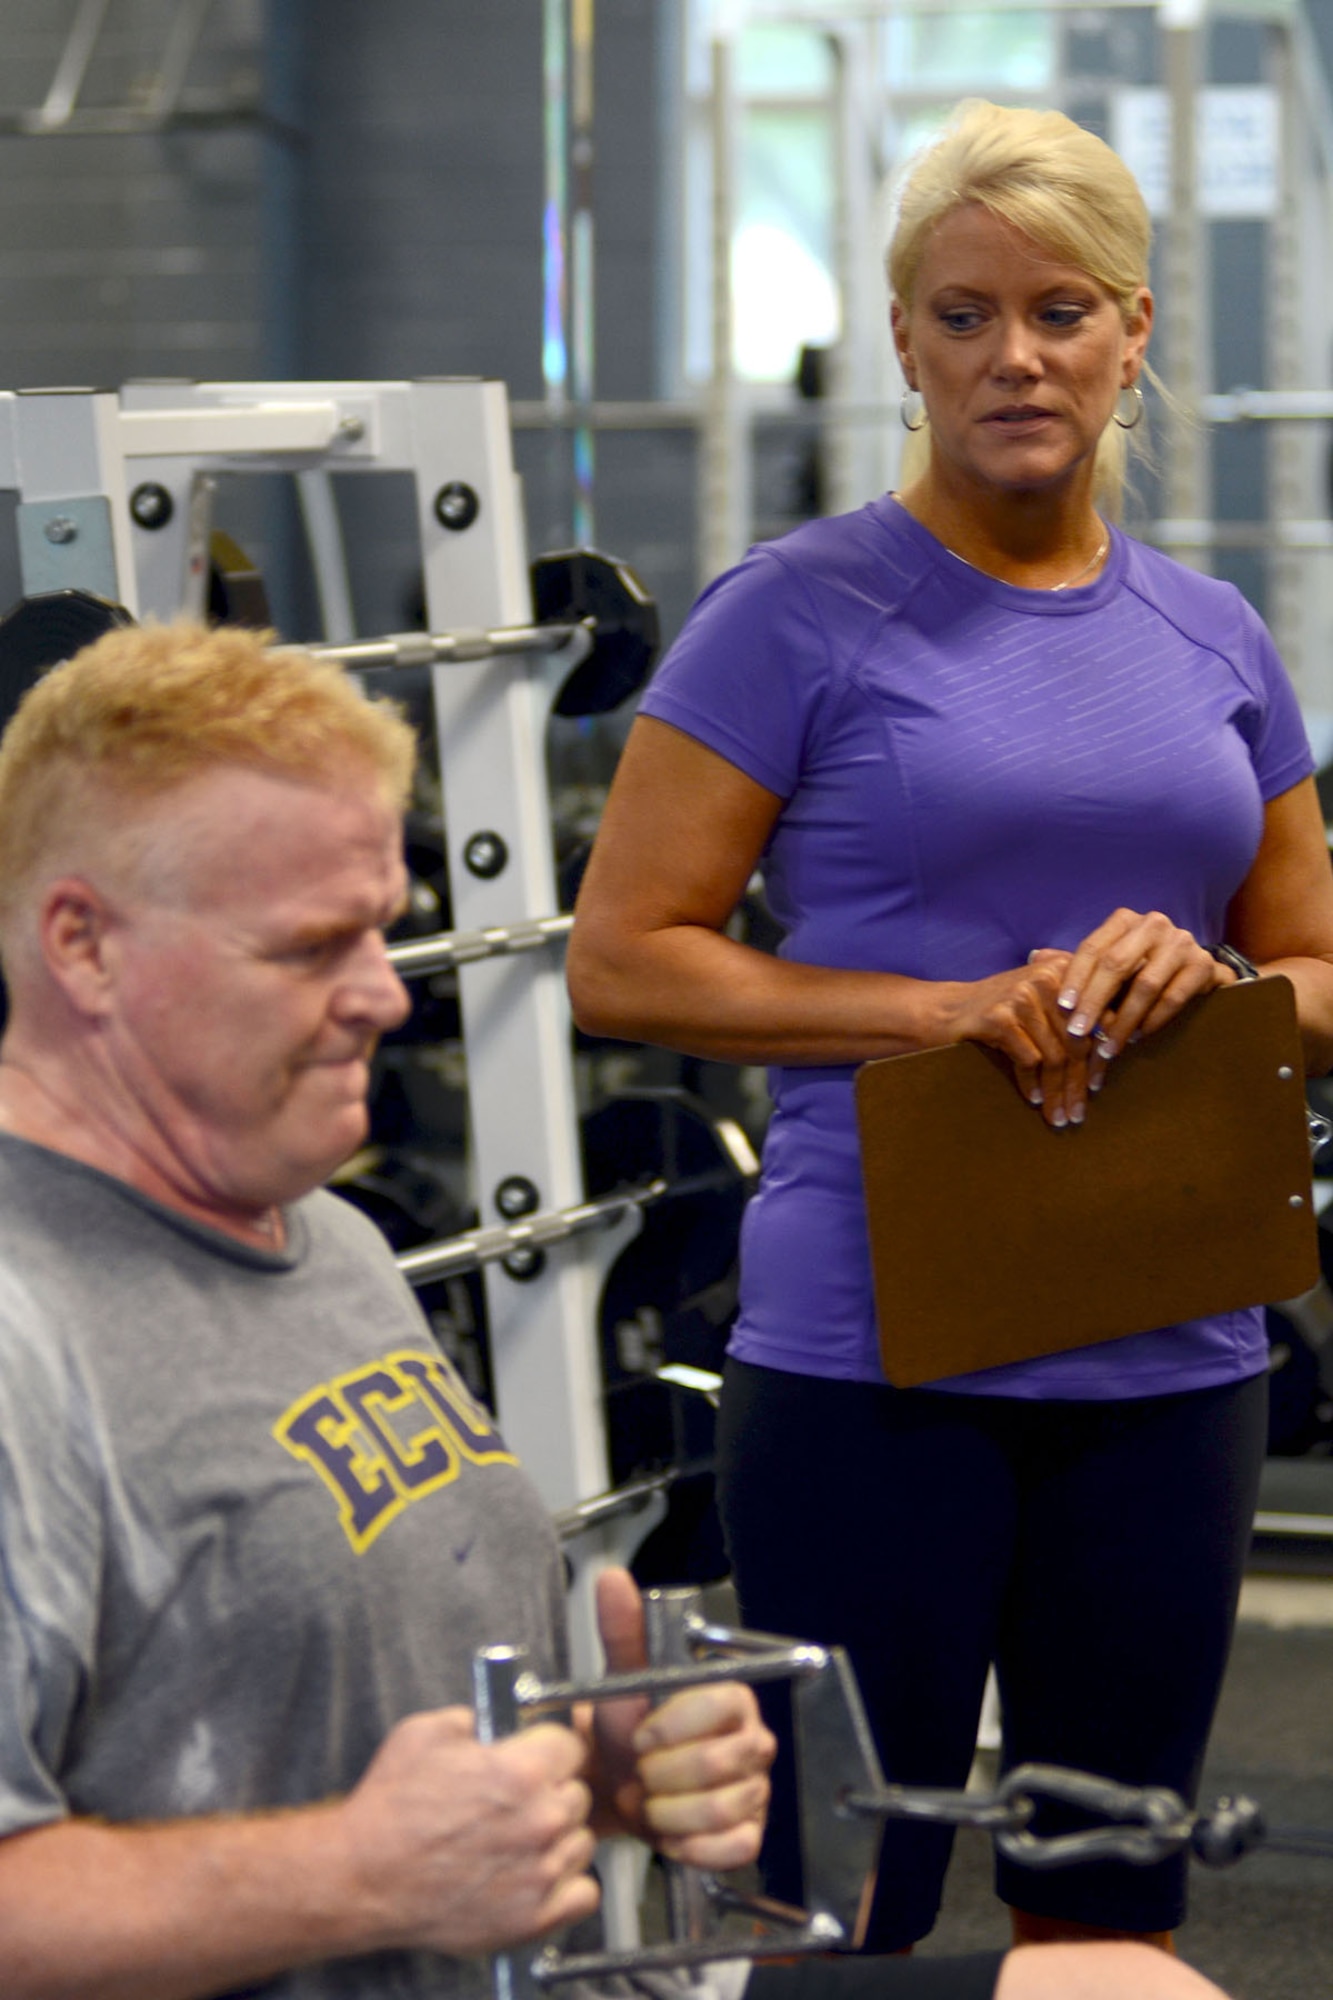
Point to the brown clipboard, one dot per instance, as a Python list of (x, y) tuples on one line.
[(1187, 1191)]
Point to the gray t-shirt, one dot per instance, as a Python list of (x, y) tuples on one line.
[(249, 1518)]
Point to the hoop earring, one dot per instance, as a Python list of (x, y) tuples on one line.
[(908, 409), (1130, 423)]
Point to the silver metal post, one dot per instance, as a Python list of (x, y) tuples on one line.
[(856, 456), (67, 82), (582, 293), (670, 1617), (495, 1682), (723, 439), (1186, 281), (1288, 452), (328, 557), (182, 39)]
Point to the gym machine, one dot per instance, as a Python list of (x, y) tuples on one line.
[(843, 1801)]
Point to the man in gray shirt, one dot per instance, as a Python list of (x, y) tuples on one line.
[(252, 1526)]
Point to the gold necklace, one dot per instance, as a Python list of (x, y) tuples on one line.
[(1069, 581)]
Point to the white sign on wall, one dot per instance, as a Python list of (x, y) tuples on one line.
[(1238, 164)]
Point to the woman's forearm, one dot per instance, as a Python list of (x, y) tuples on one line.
[(694, 989)]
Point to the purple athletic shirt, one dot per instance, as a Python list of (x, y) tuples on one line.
[(969, 770)]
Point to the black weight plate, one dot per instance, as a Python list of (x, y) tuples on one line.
[(40, 632), (573, 584), (649, 1132)]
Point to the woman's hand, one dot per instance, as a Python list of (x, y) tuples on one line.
[(1018, 1015), (1063, 1017), (1132, 975), (1128, 978)]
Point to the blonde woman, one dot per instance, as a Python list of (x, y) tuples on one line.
[(1016, 779)]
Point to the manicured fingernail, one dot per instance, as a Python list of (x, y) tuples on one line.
[(1059, 1121), (1035, 1096), (1095, 1083), (1079, 1024), (1068, 998), (1136, 1036), (1106, 1048), (1077, 1115)]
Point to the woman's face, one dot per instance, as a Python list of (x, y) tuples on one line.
[(1019, 358)]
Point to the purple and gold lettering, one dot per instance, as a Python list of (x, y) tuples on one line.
[(466, 1421), (321, 1433), (355, 1433), (426, 1458)]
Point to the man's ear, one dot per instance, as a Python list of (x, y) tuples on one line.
[(74, 926)]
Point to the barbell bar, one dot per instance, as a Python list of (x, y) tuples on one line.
[(589, 606), (490, 1245), (631, 1498), (428, 649), (414, 957), (725, 1160)]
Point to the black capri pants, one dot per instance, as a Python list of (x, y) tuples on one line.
[(1092, 1551)]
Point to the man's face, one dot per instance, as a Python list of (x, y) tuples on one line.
[(251, 986)]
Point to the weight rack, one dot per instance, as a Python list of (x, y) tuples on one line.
[(114, 497)]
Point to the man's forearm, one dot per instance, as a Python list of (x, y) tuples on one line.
[(445, 1845), (178, 1911)]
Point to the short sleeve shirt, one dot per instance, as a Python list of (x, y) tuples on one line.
[(968, 771)]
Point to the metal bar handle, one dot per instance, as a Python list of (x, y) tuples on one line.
[(498, 1675), (672, 1619), (792, 1663)]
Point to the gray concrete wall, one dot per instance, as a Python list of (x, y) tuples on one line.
[(128, 254), (384, 219), (421, 248)]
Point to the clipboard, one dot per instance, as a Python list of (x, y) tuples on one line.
[(1186, 1192)]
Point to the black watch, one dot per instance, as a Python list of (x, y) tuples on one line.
[(1226, 954)]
